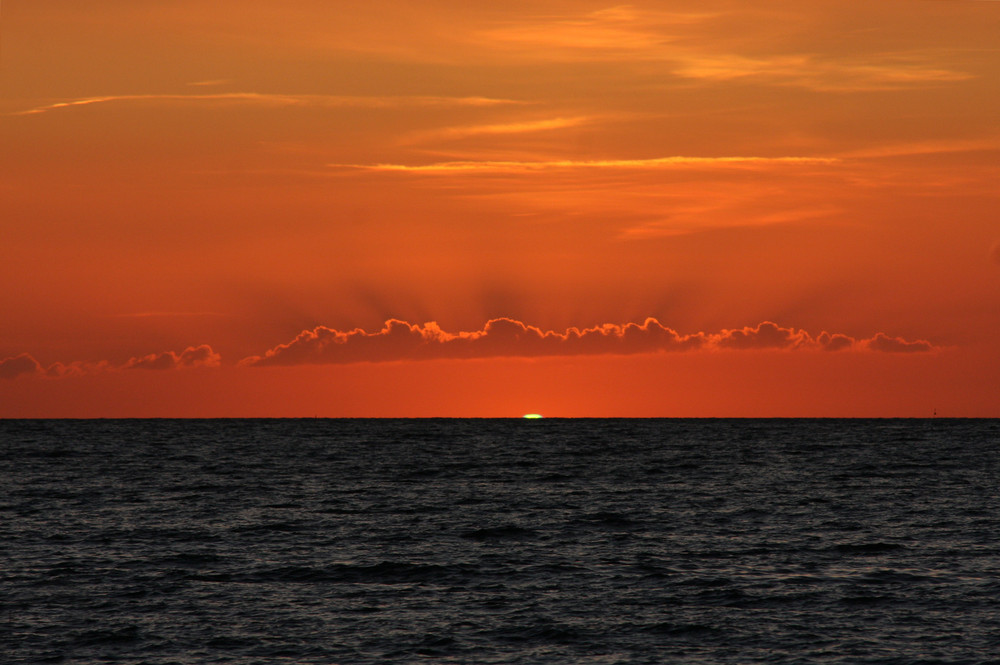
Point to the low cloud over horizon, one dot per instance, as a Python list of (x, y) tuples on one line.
[(499, 338), (24, 364), (193, 356), (503, 337)]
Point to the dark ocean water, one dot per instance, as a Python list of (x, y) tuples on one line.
[(500, 541)]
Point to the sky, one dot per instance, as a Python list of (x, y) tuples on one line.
[(444, 208)]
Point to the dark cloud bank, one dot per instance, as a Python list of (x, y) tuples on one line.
[(399, 340), (193, 356)]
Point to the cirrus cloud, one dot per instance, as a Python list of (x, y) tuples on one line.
[(275, 100), (507, 166)]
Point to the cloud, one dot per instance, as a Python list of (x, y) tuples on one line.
[(400, 340), (834, 342), (806, 71), (210, 83), (617, 33), (700, 46), (15, 366), (499, 338), (927, 147), (277, 100), (686, 220), (76, 368), (517, 127), (770, 335), (534, 166), (882, 342), (765, 336), (193, 356)]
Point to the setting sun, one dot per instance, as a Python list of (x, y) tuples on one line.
[(280, 276)]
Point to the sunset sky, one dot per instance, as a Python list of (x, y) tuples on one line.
[(451, 208)]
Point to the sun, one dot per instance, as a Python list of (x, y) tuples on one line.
[(533, 416)]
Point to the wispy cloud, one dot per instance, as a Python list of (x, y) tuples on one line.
[(210, 83), (691, 219), (702, 46), (622, 32), (277, 100), (926, 147), (634, 196), (531, 166), (880, 72), (512, 127)]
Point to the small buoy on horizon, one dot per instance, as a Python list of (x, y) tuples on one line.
[(533, 416)]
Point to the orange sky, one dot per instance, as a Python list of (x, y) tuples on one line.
[(213, 209)]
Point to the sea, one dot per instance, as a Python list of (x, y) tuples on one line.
[(577, 541)]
